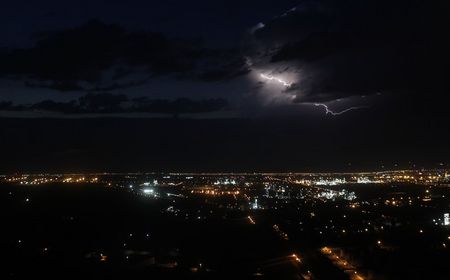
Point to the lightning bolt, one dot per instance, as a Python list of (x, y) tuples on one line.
[(333, 113), (272, 78), (328, 111)]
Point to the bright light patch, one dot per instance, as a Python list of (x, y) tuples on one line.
[(279, 80), (256, 27)]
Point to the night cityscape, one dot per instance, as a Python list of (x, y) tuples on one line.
[(225, 139), (379, 225)]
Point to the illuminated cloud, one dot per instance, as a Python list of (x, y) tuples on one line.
[(256, 27), (276, 79)]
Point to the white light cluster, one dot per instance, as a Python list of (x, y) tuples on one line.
[(148, 191), (363, 180), (332, 195), (333, 182), (225, 182)]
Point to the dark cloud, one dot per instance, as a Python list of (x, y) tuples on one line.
[(314, 47), (53, 106), (221, 65), (107, 103), (10, 106), (5, 105), (178, 106), (65, 86), (102, 103), (108, 57), (83, 53), (56, 85)]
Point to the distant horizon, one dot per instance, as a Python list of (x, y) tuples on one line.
[(237, 173)]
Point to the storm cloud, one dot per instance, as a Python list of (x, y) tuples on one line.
[(325, 50), (338, 49)]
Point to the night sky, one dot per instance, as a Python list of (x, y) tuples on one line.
[(314, 85)]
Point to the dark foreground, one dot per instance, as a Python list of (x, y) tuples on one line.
[(96, 232)]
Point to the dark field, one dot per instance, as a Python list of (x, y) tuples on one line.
[(63, 231), (77, 231)]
